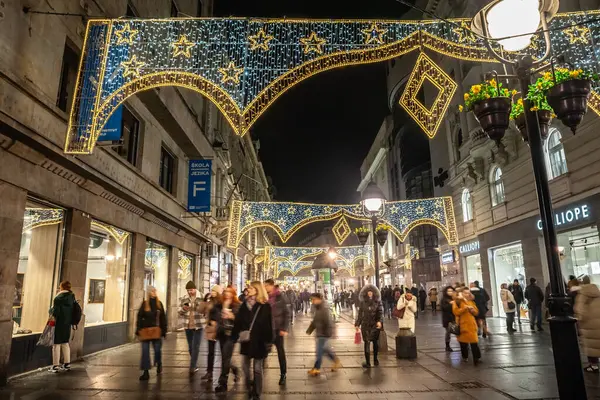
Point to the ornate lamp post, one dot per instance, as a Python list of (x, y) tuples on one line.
[(373, 202), (511, 24)]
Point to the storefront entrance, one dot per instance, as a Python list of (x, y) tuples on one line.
[(507, 265), (580, 253)]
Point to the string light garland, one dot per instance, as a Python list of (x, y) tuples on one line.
[(286, 218), (296, 259), (341, 230), (37, 217), (185, 263), (118, 234), (234, 63), (429, 119)]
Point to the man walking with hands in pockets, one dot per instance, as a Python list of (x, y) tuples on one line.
[(191, 309)]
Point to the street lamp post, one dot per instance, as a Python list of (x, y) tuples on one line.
[(373, 202), (492, 22)]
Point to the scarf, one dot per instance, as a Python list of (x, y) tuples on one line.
[(273, 296), (250, 302)]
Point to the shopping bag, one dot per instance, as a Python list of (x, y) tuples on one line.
[(357, 338), (47, 338)]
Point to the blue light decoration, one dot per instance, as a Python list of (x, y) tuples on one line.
[(243, 65), (287, 218), (296, 259)]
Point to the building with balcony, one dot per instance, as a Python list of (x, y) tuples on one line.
[(115, 221)]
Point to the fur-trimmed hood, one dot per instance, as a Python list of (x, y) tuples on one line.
[(363, 293)]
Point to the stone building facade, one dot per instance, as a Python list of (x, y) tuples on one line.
[(114, 221)]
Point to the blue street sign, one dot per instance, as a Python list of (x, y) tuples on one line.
[(112, 128), (199, 179)]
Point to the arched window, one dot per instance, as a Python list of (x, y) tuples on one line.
[(467, 206), (555, 155), (497, 186)]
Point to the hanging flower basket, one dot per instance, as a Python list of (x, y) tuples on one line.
[(382, 233), (567, 92), (491, 104), (544, 118), (363, 235)]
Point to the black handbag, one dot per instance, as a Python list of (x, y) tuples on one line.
[(454, 328), (511, 305)]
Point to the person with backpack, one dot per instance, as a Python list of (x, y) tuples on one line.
[(62, 313), (151, 328)]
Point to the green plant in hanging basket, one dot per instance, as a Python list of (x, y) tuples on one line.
[(362, 230), (483, 91), (518, 108), (382, 227)]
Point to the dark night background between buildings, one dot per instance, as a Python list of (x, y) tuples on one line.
[(316, 135)]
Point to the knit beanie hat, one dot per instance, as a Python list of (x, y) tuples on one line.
[(190, 285), (217, 289)]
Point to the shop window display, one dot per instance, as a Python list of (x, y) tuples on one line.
[(39, 267), (107, 275), (185, 272), (580, 253), (508, 265), (474, 269), (157, 268)]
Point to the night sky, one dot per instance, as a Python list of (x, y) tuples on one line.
[(315, 136)]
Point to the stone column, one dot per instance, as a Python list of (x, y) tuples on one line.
[(173, 296), (12, 209), (74, 267), (136, 281)]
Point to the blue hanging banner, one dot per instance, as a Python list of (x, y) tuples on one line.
[(199, 179), (112, 128)]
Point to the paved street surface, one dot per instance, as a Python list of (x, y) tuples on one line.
[(518, 366)]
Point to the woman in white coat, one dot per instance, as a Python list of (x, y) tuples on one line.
[(407, 302), (510, 307)]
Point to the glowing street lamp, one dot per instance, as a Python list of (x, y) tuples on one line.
[(373, 202), (511, 24)]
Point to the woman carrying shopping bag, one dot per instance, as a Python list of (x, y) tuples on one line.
[(62, 311), (151, 329), (253, 328)]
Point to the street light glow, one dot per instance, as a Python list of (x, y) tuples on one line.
[(513, 17), (373, 205)]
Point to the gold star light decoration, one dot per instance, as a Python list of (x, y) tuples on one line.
[(132, 67), (420, 210), (374, 34), (231, 73), (313, 43), (394, 209), (182, 47), (577, 34), (260, 40), (125, 35), (428, 118), (464, 33)]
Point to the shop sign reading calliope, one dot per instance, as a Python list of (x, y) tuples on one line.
[(568, 216)]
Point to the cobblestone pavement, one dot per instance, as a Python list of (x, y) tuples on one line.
[(518, 366)]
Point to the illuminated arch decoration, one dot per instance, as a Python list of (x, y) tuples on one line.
[(185, 265), (37, 217), (287, 218), (119, 235), (296, 259), (243, 65)]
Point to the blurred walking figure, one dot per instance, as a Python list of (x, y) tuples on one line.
[(191, 309), (370, 321), (408, 303), (151, 328), (433, 298), (62, 311), (212, 311), (243, 295), (226, 312), (323, 326), (253, 328), (422, 299), (291, 303), (281, 319), (354, 302), (447, 315), (509, 305), (415, 292), (481, 299), (517, 292), (465, 311), (305, 297), (587, 312), (535, 299)]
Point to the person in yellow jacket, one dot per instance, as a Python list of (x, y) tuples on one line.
[(465, 311)]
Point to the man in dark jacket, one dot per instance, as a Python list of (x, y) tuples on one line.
[(535, 299), (291, 298), (517, 292), (481, 298), (281, 320), (305, 297), (324, 329), (370, 321)]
